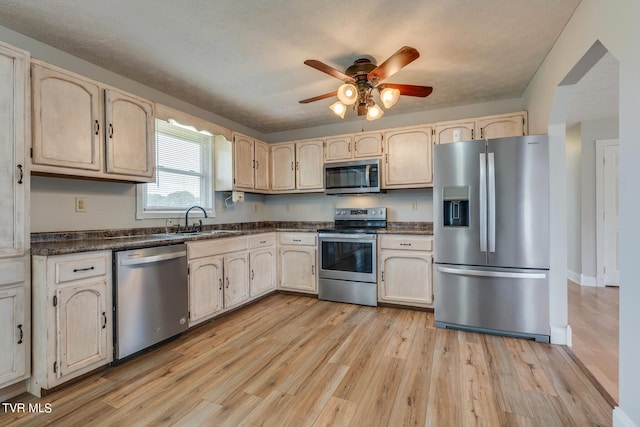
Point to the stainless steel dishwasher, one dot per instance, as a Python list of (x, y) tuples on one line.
[(151, 297)]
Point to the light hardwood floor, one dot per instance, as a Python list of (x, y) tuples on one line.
[(593, 316), (297, 361)]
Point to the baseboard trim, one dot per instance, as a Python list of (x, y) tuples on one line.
[(561, 335), (620, 419), (581, 279)]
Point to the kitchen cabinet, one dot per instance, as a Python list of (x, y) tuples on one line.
[(347, 147), (405, 270), (72, 317), (15, 283), (487, 127), (297, 254), (262, 264), (218, 276), (87, 129), (297, 166), (407, 161), (250, 164)]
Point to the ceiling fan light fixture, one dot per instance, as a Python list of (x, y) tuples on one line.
[(389, 97), (338, 109), (348, 93), (374, 112)]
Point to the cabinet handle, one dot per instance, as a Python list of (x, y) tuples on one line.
[(313, 270), (97, 127), (252, 274), (481, 132), (382, 275), (253, 163), (291, 165), (78, 270), (104, 320), (21, 333), (227, 283), (110, 131), (349, 146), (405, 244), (386, 158), (257, 164), (355, 146), (21, 174), (220, 282)]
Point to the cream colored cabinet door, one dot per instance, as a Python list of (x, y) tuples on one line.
[(405, 277), (262, 275), (309, 165), (83, 317), (243, 160), (298, 269), (205, 288), (502, 126), (367, 145), (283, 176), (236, 279), (14, 337), (408, 158), (130, 139), (444, 132), (261, 154), (67, 129), (14, 166), (337, 148)]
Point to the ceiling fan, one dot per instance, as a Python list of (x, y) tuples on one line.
[(360, 80)]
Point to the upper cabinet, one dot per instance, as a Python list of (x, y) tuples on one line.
[(297, 166), (250, 165), (84, 128), (498, 126), (407, 160), (347, 147)]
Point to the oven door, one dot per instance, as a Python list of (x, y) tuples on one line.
[(350, 257)]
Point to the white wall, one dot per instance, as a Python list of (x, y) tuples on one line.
[(574, 208), (614, 24)]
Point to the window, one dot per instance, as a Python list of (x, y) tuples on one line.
[(184, 173)]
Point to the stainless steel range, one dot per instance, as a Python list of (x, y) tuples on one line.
[(347, 256)]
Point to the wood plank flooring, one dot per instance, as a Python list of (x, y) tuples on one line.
[(593, 316), (297, 361)]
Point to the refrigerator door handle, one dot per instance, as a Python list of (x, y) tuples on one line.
[(491, 208), (483, 202), (494, 274)]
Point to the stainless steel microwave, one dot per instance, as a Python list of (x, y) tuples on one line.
[(358, 176)]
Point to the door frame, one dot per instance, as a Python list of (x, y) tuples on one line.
[(600, 145)]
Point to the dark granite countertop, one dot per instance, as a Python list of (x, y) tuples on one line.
[(60, 243)]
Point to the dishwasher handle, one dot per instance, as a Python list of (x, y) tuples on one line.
[(153, 258)]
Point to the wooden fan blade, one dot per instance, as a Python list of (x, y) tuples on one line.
[(405, 55), (320, 66), (410, 90), (318, 98)]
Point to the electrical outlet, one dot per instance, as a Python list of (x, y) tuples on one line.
[(414, 206), (335, 205), (81, 204)]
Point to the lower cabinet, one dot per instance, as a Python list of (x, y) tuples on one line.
[(297, 262), (228, 272), (405, 270), (72, 317), (15, 337)]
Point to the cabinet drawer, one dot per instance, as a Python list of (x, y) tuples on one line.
[(307, 239), (262, 240), (216, 247), (406, 242), (69, 269)]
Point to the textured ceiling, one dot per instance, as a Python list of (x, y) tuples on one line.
[(244, 59)]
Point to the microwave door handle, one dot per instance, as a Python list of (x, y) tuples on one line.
[(367, 175)]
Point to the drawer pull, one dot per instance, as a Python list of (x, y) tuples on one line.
[(21, 333), (79, 270), (297, 240), (262, 242), (405, 244)]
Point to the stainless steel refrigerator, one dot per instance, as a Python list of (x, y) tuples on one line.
[(491, 233)]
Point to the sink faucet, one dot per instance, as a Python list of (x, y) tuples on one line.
[(186, 218)]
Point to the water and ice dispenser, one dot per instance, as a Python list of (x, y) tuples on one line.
[(456, 206)]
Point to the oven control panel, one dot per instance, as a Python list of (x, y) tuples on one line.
[(360, 214)]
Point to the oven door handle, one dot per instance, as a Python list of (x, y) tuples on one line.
[(340, 237)]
